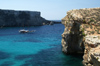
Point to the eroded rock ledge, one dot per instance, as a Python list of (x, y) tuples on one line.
[(82, 34)]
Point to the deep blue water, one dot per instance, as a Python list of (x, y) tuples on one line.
[(41, 48)]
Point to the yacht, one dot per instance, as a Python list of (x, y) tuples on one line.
[(25, 31)]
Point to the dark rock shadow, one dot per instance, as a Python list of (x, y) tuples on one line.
[(50, 57), (4, 55)]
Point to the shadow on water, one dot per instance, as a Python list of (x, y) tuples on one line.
[(50, 57), (4, 55)]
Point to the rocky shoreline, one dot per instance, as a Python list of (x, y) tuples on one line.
[(82, 34)]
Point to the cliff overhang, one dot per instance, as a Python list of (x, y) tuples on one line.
[(82, 34)]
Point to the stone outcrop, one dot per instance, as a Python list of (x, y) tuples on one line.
[(10, 18), (92, 50), (82, 34)]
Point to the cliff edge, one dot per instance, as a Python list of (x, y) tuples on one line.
[(82, 34), (10, 18)]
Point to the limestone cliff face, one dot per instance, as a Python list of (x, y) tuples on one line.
[(20, 18), (82, 34)]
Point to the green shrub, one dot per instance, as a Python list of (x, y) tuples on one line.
[(91, 26), (91, 20), (87, 26), (70, 31), (97, 58), (84, 20), (83, 34), (82, 30), (92, 32), (98, 32)]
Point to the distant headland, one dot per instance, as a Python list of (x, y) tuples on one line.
[(12, 18)]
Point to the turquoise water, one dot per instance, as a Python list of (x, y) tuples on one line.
[(41, 48)]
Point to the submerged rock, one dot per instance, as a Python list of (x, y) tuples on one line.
[(82, 34)]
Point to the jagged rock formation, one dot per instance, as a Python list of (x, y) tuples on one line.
[(82, 34), (20, 18)]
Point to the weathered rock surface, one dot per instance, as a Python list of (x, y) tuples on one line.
[(11, 18), (82, 34)]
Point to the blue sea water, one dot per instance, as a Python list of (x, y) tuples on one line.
[(40, 48)]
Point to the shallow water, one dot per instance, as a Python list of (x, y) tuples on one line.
[(41, 48)]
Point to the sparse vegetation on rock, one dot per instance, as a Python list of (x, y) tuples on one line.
[(84, 25)]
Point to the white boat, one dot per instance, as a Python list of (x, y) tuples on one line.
[(25, 31)]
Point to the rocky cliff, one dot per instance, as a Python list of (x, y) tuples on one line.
[(20, 18), (82, 34)]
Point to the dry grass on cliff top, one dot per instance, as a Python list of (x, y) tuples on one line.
[(86, 15)]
